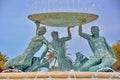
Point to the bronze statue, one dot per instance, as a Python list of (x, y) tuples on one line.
[(79, 61), (58, 44), (24, 60), (103, 54)]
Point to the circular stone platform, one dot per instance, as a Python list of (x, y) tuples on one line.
[(62, 19), (60, 76)]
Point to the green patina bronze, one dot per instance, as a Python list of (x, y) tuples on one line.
[(103, 54), (24, 60), (79, 61), (58, 44), (62, 19)]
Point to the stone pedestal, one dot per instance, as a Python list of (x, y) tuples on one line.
[(60, 76)]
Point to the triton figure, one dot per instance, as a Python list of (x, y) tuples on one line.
[(24, 60), (103, 54)]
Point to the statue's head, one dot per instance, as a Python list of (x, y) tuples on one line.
[(41, 30), (79, 55), (95, 30), (54, 34)]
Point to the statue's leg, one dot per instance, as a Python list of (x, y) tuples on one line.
[(45, 63), (35, 65), (66, 65), (107, 62), (76, 66), (20, 62), (91, 62)]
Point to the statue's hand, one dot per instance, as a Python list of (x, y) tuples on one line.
[(69, 27)]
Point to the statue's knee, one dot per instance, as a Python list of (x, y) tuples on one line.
[(107, 63), (95, 68)]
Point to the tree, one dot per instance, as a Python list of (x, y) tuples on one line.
[(116, 48), (3, 59)]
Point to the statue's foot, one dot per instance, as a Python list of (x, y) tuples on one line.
[(100, 69)]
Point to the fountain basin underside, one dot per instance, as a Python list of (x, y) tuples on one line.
[(59, 76), (62, 19)]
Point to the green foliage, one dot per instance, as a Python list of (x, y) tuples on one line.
[(3, 59), (116, 48)]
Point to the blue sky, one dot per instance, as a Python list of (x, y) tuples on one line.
[(16, 30)]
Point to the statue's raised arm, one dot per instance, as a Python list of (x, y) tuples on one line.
[(69, 35), (84, 35), (37, 24)]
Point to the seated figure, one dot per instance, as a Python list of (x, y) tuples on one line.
[(23, 61), (103, 54)]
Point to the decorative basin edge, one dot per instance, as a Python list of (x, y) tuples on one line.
[(60, 75)]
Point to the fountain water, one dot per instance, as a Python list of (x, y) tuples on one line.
[(61, 19), (69, 75), (112, 75), (43, 73), (56, 5)]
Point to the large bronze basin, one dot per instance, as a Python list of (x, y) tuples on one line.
[(62, 19)]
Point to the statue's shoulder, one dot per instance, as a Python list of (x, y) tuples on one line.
[(37, 38), (103, 38), (90, 37)]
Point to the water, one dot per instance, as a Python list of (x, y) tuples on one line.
[(50, 77), (44, 73), (55, 5), (70, 73), (26, 76), (113, 73), (3, 75)]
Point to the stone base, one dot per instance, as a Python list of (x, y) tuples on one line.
[(60, 76)]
